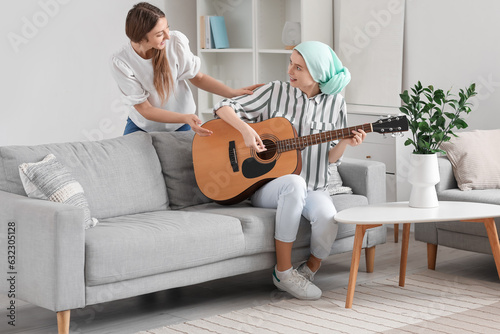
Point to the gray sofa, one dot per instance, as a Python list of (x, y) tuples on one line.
[(461, 235), (156, 230)]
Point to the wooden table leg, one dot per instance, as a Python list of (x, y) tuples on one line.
[(491, 229), (356, 254), (431, 256), (404, 254), (396, 233)]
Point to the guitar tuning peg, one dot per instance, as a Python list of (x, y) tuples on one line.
[(393, 135), (401, 134)]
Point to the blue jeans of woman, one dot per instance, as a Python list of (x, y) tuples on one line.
[(131, 128)]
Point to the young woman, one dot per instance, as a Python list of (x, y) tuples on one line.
[(312, 103), (151, 72)]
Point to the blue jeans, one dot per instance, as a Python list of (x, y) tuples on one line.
[(131, 128)]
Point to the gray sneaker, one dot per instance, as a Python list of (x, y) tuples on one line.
[(297, 285), (304, 270)]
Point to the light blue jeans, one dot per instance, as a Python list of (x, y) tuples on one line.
[(291, 199)]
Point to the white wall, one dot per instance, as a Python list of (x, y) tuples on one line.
[(452, 43), (56, 86)]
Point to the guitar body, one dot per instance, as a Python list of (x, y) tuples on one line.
[(228, 172)]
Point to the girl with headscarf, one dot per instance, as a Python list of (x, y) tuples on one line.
[(311, 101), (152, 72)]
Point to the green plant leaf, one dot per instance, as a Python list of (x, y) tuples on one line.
[(404, 110), (423, 126), (409, 142), (461, 124), (441, 121), (450, 115), (405, 97), (433, 114)]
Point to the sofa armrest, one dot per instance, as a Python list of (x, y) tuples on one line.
[(365, 177), (49, 251), (447, 178)]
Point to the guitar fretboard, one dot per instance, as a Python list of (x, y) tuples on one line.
[(301, 142)]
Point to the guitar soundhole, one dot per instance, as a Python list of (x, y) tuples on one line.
[(270, 151)]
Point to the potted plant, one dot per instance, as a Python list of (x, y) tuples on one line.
[(433, 115)]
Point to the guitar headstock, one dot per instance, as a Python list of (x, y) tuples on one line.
[(391, 124)]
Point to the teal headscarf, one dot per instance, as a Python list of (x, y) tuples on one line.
[(325, 67)]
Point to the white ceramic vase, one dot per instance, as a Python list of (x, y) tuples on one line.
[(423, 177)]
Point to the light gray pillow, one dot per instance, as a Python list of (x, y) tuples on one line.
[(475, 158), (175, 152), (50, 180), (335, 182)]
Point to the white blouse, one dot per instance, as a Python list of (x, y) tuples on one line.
[(134, 76)]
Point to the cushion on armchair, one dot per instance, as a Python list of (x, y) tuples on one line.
[(335, 184), (475, 157)]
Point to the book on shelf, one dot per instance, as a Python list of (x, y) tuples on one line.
[(219, 32), (213, 32)]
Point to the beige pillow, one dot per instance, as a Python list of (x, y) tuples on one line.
[(475, 157)]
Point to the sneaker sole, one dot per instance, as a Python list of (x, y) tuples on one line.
[(280, 288)]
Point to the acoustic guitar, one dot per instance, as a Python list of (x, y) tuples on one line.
[(228, 172)]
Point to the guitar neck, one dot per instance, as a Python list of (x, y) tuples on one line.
[(301, 142)]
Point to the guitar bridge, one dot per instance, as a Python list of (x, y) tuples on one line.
[(233, 158)]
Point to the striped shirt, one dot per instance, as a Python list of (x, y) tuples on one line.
[(322, 112)]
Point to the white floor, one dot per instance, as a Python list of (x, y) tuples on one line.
[(178, 305)]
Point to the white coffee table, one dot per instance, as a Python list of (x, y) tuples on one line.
[(369, 216)]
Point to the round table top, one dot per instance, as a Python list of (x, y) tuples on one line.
[(401, 212)]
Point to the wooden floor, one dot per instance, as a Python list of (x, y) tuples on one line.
[(178, 305)]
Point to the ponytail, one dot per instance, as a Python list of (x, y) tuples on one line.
[(141, 19)]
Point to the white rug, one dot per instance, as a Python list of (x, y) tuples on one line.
[(430, 302)]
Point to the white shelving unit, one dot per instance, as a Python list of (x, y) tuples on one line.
[(256, 53)]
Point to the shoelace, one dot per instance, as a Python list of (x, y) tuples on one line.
[(301, 280), (306, 272)]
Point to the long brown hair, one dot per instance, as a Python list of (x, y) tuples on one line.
[(141, 19)]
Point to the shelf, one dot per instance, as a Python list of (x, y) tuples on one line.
[(230, 50), (257, 53), (278, 51)]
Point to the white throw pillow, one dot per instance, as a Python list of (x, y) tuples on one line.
[(475, 157), (50, 180), (335, 182)]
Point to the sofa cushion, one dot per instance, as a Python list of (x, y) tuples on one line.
[(140, 245), (258, 223), (465, 228), (50, 180), (474, 156), (120, 175), (491, 196), (175, 152)]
